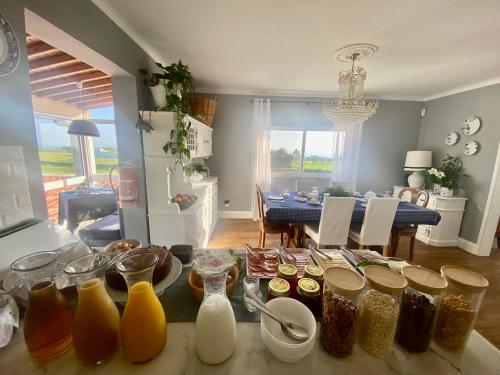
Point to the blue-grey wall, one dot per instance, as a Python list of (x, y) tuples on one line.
[(387, 136), (446, 115)]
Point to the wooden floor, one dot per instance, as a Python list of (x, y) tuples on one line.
[(237, 232)]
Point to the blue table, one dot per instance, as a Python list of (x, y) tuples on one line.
[(77, 206), (294, 212)]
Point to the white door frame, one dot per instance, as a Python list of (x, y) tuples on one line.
[(491, 212)]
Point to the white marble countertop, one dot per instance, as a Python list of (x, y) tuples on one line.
[(252, 357)]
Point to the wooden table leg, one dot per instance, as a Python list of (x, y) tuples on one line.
[(386, 251), (298, 235)]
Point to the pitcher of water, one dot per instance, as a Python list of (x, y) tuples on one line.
[(215, 338)]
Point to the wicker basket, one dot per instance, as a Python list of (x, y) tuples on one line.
[(203, 108)]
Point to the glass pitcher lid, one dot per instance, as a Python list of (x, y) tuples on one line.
[(213, 263), (89, 263), (35, 261)]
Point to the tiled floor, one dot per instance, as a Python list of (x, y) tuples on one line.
[(237, 232)]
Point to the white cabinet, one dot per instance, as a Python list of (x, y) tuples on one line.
[(206, 191), (199, 140), (446, 232)]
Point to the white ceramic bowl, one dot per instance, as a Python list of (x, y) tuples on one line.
[(281, 346)]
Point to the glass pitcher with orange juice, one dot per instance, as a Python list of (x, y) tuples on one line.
[(143, 326), (96, 326), (48, 319)]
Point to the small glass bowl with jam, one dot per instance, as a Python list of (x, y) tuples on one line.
[(308, 292)]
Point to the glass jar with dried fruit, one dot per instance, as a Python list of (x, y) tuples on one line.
[(340, 296), (459, 307), (379, 310), (419, 308)]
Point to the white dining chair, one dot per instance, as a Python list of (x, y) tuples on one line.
[(377, 224), (333, 228), (305, 185)]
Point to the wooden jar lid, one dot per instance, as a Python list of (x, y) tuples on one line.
[(384, 279), (424, 280), (343, 281), (463, 278)]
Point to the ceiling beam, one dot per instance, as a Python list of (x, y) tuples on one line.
[(89, 98), (98, 103), (77, 94), (47, 61), (72, 88), (61, 71), (67, 80), (39, 47)]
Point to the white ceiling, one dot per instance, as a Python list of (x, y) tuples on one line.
[(427, 48)]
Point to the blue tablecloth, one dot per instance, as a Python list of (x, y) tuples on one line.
[(292, 211), (77, 206)]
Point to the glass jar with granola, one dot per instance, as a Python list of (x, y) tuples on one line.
[(459, 307), (379, 310)]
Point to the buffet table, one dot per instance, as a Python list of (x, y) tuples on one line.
[(252, 357)]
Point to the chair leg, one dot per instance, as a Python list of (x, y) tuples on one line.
[(362, 247), (281, 238), (263, 239), (386, 251), (260, 238), (412, 246), (395, 237)]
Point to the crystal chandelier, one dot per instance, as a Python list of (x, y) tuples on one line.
[(350, 106)]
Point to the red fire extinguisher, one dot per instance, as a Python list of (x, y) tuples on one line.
[(127, 185)]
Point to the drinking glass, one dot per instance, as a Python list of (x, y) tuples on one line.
[(251, 283), (143, 327), (48, 319), (96, 326), (249, 307)]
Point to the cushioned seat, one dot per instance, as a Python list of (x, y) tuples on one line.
[(102, 231)]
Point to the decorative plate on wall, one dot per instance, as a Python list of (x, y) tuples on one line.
[(471, 125), (9, 48), (451, 139), (471, 148)]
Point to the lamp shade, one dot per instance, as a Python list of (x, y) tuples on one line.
[(83, 127), (418, 160)]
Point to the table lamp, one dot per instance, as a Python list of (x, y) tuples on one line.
[(416, 162)]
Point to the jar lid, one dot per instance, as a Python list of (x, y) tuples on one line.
[(466, 279), (384, 279), (313, 271), (279, 287), (424, 280), (308, 287), (287, 270), (343, 281)]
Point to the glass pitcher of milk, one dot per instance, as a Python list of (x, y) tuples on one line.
[(215, 336)]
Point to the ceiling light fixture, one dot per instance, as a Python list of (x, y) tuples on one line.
[(350, 106), (83, 126)]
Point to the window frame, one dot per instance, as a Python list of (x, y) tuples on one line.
[(301, 173)]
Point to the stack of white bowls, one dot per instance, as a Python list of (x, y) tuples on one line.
[(281, 346)]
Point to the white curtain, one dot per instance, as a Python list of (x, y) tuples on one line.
[(261, 167), (345, 158)]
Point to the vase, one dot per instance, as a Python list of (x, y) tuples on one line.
[(436, 189), (446, 192), (159, 95)]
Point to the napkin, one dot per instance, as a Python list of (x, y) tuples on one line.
[(9, 318)]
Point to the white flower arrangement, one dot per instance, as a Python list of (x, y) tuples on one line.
[(436, 172)]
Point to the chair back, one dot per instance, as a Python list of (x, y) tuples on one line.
[(422, 198), (260, 204), (335, 220), (408, 194), (378, 220), (305, 185)]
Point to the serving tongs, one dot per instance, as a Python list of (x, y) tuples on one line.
[(312, 248), (253, 252), (286, 254)]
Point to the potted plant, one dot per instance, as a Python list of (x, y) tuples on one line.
[(337, 191), (177, 82), (447, 175)]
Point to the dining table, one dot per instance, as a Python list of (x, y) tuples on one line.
[(291, 211)]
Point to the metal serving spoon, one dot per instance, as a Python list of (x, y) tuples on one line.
[(290, 329)]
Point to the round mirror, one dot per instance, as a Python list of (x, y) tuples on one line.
[(9, 48)]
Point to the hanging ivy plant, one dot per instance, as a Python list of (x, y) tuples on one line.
[(177, 80)]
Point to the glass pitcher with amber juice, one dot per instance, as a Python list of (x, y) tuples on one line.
[(48, 319), (96, 327), (143, 326)]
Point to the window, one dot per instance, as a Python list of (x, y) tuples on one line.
[(59, 152), (304, 152), (105, 148)]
